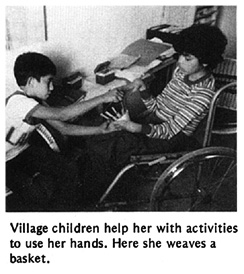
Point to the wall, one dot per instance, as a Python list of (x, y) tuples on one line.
[(81, 37), (227, 22), (78, 37), (89, 35), (24, 25), (179, 15)]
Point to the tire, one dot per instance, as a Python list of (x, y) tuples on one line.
[(202, 180)]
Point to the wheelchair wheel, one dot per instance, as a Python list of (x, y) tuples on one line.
[(202, 180)]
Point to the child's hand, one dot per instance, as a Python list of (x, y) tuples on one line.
[(124, 123), (120, 121), (114, 115), (114, 95), (108, 127), (137, 84), (127, 125)]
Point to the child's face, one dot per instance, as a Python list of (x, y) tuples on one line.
[(189, 64), (42, 89)]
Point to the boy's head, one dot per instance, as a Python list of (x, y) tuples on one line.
[(34, 65), (207, 43)]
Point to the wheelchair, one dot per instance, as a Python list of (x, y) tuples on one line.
[(200, 180)]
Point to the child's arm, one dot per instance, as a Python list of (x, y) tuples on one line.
[(76, 109), (128, 126), (77, 130)]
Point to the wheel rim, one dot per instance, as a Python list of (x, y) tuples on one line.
[(203, 180)]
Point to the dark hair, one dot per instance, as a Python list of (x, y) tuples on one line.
[(32, 64), (205, 42)]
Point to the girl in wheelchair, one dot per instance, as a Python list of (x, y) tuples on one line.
[(167, 122)]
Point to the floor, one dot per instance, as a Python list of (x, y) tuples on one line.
[(131, 193)]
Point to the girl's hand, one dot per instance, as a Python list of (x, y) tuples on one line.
[(120, 121), (128, 126), (114, 115)]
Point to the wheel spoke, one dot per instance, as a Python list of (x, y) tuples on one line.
[(202, 180)]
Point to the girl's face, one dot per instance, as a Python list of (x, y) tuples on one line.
[(189, 64)]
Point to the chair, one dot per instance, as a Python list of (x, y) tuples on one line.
[(224, 99), (222, 118), (205, 179)]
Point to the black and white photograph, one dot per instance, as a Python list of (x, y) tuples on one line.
[(121, 139), (121, 108)]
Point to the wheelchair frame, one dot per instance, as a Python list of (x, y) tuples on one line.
[(184, 158)]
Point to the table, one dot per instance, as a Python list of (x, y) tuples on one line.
[(92, 89), (156, 65)]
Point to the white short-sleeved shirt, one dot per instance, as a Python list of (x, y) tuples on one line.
[(19, 109)]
